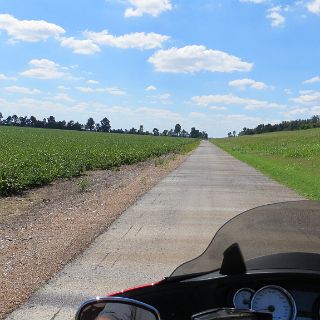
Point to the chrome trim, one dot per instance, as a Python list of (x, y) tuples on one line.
[(241, 289), (287, 294), (117, 299)]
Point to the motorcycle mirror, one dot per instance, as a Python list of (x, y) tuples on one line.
[(116, 308), (231, 314)]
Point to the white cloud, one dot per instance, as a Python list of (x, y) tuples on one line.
[(196, 58), (4, 77), (230, 99), (216, 108), (254, 1), (314, 6), (150, 88), (312, 80), (137, 40), (295, 112), (242, 84), (85, 46), (308, 97), (110, 90), (28, 30), (21, 90), (62, 96), (92, 81), (44, 69), (151, 7), (288, 91), (274, 14)]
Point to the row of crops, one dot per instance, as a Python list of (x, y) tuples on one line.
[(33, 157)]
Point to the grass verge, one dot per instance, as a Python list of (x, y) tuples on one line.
[(291, 158)]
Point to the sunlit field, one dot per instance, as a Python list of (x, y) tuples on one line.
[(32, 157)]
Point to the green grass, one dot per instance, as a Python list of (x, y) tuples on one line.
[(291, 158), (33, 157)]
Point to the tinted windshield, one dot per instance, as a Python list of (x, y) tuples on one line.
[(277, 228)]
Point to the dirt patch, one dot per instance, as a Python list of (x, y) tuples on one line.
[(45, 228)]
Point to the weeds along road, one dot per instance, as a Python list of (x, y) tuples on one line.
[(170, 224)]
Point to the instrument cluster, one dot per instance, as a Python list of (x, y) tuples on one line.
[(283, 305)]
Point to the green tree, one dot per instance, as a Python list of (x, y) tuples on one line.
[(155, 131), (177, 129), (105, 125), (90, 124)]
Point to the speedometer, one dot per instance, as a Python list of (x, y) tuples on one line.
[(275, 300), (242, 298)]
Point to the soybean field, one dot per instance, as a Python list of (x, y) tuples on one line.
[(33, 157), (292, 157)]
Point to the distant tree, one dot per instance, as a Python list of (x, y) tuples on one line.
[(141, 129), (8, 121), (177, 129), (23, 121), (133, 130), (229, 134), (51, 122), (165, 132), (1, 117), (234, 132), (14, 119), (105, 125), (184, 133), (90, 124), (155, 131), (33, 121), (194, 133)]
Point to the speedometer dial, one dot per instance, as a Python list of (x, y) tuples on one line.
[(276, 300), (242, 298)]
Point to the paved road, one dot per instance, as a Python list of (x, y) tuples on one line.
[(167, 226)]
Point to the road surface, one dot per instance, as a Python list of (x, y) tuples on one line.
[(169, 225)]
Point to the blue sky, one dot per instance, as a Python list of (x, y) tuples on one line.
[(218, 65)]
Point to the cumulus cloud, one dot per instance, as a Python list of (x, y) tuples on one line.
[(151, 7), (137, 40), (308, 97), (196, 58), (295, 112), (312, 80), (274, 14), (21, 90), (230, 99), (4, 77), (62, 96), (314, 6), (44, 69), (242, 84), (29, 30), (85, 46), (115, 91), (150, 88), (91, 81)]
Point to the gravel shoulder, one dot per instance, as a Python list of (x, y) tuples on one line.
[(45, 228)]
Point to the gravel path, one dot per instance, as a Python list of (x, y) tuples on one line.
[(167, 226), (44, 229)]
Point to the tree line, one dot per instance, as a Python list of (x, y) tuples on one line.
[(102, 126), (300, 124)]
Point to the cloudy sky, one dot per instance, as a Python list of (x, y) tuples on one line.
[(218, 65)]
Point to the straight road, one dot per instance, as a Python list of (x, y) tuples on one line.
[(169, 225)]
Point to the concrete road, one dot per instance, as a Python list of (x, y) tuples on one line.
[(170, 224)]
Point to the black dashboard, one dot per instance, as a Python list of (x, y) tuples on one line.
[(180, 299)]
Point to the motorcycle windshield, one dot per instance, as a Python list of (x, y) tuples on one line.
[(287, 227)]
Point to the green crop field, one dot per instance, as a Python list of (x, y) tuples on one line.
[(32, 157), (292, 157)]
